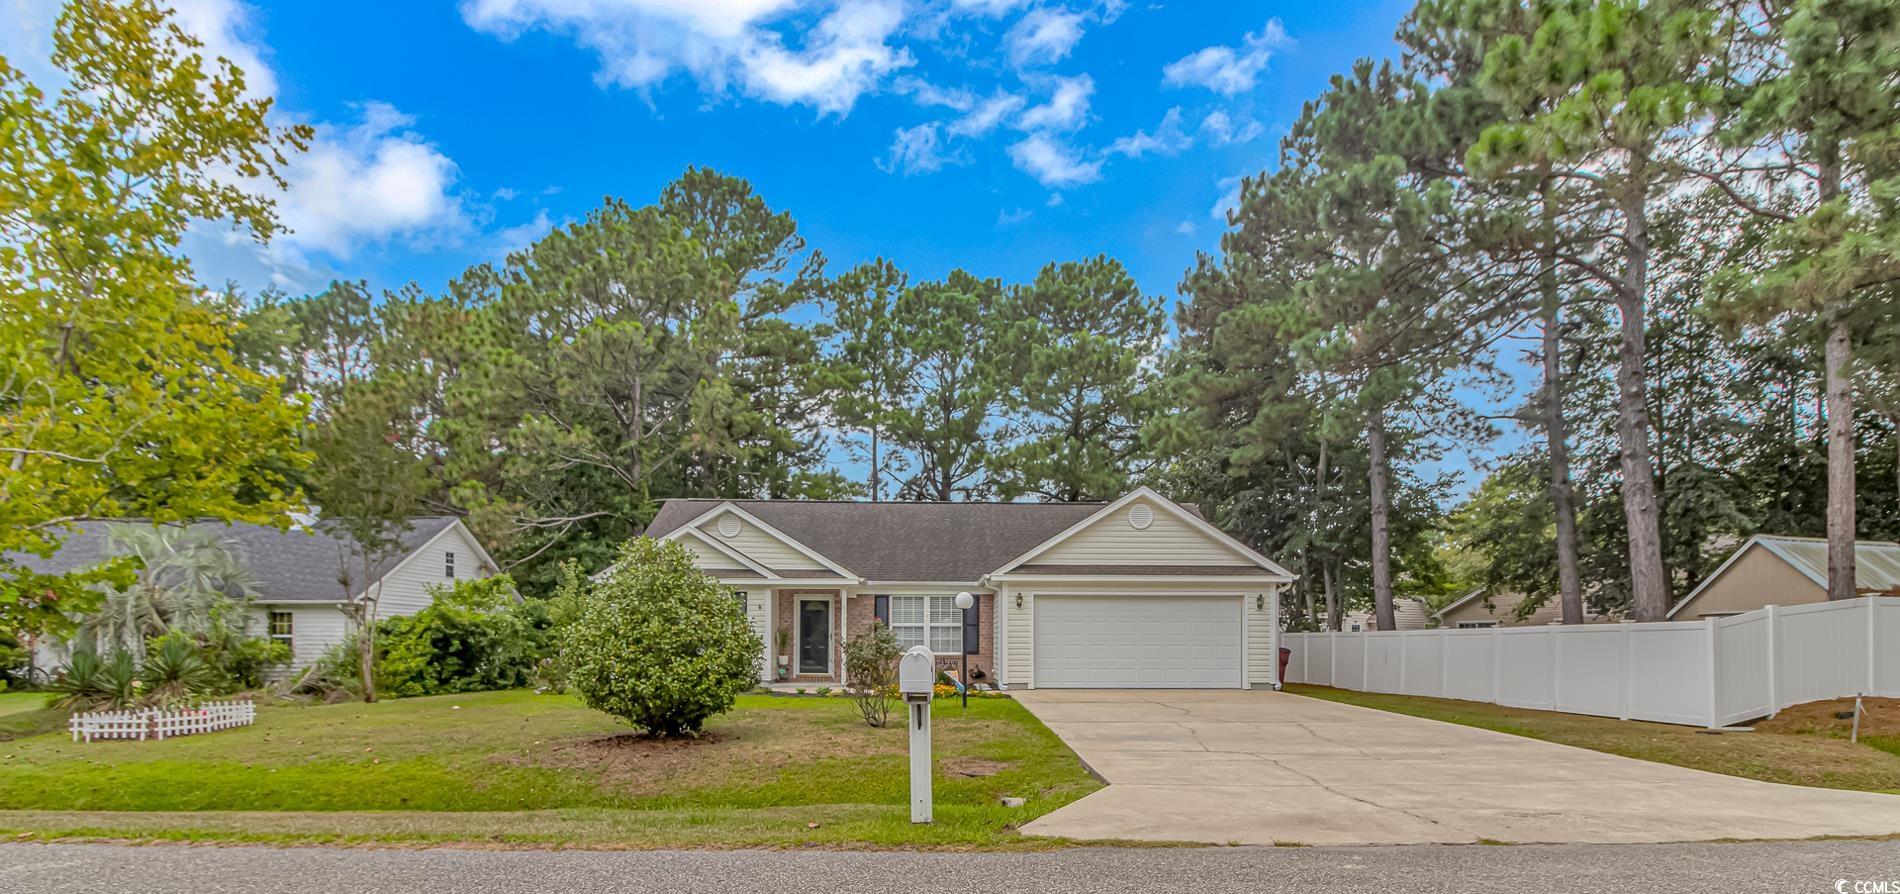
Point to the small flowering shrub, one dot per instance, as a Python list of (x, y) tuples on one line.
[(657, 643)]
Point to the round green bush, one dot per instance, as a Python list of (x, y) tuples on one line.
[(657, 643)]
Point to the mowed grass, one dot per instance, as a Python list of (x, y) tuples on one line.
[(515, 767), (1817, 757), (16, 702)]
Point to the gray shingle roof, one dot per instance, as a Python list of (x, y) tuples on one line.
[(902, 541), (298, 565)]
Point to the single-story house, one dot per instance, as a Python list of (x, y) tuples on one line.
[(1474, 610), (1773, 570), (1408, 613), (297, 575), (1138, 592)]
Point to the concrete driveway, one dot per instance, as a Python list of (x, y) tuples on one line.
[(1260, 767)]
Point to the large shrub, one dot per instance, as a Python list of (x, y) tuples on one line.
[(658, 643), (474, 636)]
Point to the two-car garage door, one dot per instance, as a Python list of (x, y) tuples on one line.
[(1159, 642)]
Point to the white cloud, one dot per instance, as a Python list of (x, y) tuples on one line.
[(1055, 200), (228, 29), (1067, 108), (926, 94), (520, 236), (1224, 69), (992, 8), (1186, 228), (1042, 37), (1167, 139), (986, 115), (374, 180), (370, 180), (917, 150), (1221, 129), (1053, 163), (1010, 216), (721, 43)]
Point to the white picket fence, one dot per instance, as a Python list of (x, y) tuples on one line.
[(1701, 673), (155, 724)]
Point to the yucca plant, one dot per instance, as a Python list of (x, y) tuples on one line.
[(118, 682), (76, 686), (174, 671)]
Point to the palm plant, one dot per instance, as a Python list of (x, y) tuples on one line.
[(187, 579)]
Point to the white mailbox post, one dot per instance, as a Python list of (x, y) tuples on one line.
[(916, 677)]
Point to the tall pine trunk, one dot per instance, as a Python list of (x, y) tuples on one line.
[(1841, 575), (1381, 533), (1649, 584), (1557, 434)]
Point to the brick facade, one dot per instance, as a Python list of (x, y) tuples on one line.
[(860, 612)]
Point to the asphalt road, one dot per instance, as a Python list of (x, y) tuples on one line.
[(1725, 868)]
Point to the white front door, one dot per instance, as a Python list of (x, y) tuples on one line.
[(1138, 642)]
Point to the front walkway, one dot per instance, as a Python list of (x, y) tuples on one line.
[(1259, 767)]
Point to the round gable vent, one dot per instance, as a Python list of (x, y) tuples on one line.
[(729, 526), (1140, 517)]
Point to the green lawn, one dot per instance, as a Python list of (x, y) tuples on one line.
[(1821, 758), (514, 767), (16, 702)]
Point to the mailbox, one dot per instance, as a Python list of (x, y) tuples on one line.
[(916, 677), (916, 673)]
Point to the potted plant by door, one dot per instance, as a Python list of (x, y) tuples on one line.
[(784, 638)]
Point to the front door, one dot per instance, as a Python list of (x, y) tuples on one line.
[(814, 636)]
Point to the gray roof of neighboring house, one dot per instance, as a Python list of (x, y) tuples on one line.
[(297, 565), (904, 541)]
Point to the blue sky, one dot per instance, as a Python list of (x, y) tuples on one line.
[(996, 135), (453, 131)]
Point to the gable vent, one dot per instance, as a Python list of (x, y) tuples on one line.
[(728, 526), (1140, 517)]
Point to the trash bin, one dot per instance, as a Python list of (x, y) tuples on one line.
[(1286, 655)]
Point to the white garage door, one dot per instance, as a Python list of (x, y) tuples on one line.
[(1157, 642)]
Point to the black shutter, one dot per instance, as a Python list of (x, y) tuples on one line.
[(881, 607), (973, 628)]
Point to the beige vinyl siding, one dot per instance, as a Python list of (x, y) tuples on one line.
[(705, 556), (759, 546), (1259, 641), (999, 634), (1022, 642), (758, 613), (1168, 540), (1758, 578)]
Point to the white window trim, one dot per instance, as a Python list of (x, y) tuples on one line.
[(927, 624), (287, 639)]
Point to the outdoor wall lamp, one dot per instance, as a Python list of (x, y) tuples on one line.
[(1019, 600), (1260, 602)]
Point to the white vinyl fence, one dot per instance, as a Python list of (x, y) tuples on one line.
[(1701, 673), (147, 723)]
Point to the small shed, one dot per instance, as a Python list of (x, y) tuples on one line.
[(1775, 570)]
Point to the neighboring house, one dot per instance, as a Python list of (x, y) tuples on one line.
[(1473, 610), (1770, 570), (1408, 613), (1140, 592), (298, 573)]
